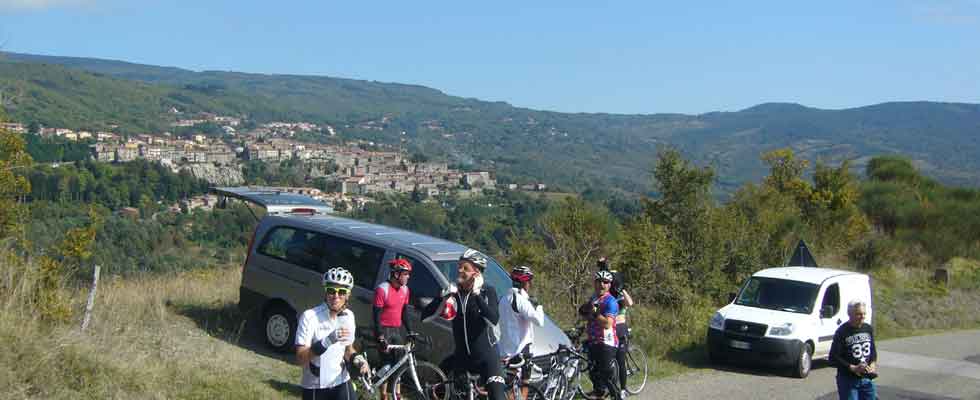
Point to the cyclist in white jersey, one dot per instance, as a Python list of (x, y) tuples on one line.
[(518, 310), (324, 341)]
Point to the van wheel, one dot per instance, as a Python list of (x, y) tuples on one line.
[(280, 327), (804, 361)]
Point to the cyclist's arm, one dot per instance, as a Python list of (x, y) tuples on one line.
[(873, 357), (379, 303), (433, 308), (405, 318), (304, 338), (528, 310), (376, 316), (488, 307), (837, 349), (607, 313), (627, 299)]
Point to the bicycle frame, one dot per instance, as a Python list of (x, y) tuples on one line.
[(408, 357)]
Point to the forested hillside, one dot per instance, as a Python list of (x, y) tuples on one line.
[(571, 151)]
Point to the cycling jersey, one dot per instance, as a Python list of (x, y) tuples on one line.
[(327, 370), (473, 336), (392, 303), (516, 316), (607, 306)]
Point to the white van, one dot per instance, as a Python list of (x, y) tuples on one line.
[(786, 316)]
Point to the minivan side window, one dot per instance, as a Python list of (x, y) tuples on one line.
[(421, 283), (291, 245), (832, 298), (362, 260)]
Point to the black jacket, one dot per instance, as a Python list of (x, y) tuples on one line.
[(473, 325)]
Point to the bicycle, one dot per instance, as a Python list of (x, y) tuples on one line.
[(467, 386), (583, 366), (565, 366), (637, 368), (424, 377), (513, 382)]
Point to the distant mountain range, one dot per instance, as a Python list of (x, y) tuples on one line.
[(571, 150)]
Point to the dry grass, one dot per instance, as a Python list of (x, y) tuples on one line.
[(171, 336)]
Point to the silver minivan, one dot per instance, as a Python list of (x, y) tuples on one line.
[(289, 253)]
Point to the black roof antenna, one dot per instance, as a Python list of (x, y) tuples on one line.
[(802, 257)]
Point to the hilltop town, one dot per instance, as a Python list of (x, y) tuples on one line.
[(355, 169)]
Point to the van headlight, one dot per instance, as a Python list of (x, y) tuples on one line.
[(717, 322), (785, 330)]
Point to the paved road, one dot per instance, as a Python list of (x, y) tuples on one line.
[(935, 367)]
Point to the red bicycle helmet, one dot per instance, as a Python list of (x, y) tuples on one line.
[(521, 274), (400, 264)]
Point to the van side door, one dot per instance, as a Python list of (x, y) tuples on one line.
[(424, 287), (363, 261), (830, 312)]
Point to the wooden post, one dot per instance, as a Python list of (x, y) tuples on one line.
[(91, 299), (941, 277)]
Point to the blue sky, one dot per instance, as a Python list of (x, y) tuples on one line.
[(628, 57)]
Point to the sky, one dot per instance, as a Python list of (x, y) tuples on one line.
[(571, 56)]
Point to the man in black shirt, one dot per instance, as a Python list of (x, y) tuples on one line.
[(853, 352)]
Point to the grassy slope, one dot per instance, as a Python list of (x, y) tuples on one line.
[(170, 336), (181, 336)]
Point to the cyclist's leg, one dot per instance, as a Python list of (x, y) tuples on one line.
[(525, 377), (492, 375), (605, 359), (311, 394), (392, 336), (621, 332)]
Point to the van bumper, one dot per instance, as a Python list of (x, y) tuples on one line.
[(761, 350)]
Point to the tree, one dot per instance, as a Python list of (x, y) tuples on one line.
[(14, 184)]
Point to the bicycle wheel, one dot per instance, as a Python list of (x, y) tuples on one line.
[(581, 379), (636, 370), (432, 383), (533, 393), (555, 386)]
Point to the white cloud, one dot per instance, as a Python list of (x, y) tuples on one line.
[(28, 5)]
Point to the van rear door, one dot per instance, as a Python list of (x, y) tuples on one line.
[(273, 200)]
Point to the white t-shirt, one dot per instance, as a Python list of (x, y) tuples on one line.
[(314, 325), (515, 326)]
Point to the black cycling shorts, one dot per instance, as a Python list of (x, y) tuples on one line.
[(392, 336), (344, 391)]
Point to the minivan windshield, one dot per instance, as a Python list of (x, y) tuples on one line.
[(778, 294), (494, 275)]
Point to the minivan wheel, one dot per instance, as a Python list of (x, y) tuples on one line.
[(280, 327), (804, 361)]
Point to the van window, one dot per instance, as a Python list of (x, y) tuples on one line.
[(422, 283), (831, 297), (291, 245), (360, 259)]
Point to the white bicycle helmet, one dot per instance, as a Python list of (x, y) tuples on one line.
[(475, 257), (338, 276), (604, 276)]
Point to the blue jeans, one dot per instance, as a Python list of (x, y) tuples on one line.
[(850, 387)]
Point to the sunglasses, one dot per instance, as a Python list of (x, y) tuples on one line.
[(337, 290)]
